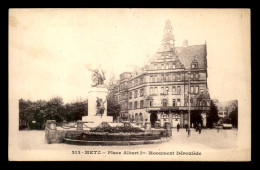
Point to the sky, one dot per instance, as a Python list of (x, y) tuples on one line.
[(50, 49)]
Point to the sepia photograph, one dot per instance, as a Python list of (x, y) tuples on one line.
[(94, 84)]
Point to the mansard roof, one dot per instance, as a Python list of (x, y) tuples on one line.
[(187, 54)]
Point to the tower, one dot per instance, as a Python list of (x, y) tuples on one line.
[(168, 40)]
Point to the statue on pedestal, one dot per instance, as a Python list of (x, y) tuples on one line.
[(98, 77), (100, 106)]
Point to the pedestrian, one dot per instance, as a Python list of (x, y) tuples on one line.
[(186, 126), (178, 127), (199, 127), (196, 126)]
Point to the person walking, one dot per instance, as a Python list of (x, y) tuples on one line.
[(178, 127), (186, 126), (199, 127), (196, 127)]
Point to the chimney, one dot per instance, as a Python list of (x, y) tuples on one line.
[(185, 43)]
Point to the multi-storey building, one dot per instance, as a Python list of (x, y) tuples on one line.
[(159, 90)]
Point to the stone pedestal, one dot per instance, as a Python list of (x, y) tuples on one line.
[(168, 128), (147, 125), (50, 131), (79, 125), (94, 94)]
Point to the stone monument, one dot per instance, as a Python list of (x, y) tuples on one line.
[(97, 100)]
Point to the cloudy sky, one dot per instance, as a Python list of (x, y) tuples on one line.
[(49, 49)]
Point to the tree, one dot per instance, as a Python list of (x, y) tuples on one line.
[(234, 117), (24, 113), (212, 117), (54, 110), (79, 109), (113, 108)]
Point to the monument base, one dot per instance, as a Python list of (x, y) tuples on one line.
[(97, 120)]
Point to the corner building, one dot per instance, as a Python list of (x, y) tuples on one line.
[(159, 90)]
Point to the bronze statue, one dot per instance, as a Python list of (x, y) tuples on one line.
[(98, 76), (100, 106)]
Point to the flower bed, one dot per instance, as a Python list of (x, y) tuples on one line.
[(98, 136), (117, 129)]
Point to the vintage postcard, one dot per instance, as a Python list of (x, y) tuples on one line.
[(129, 85)]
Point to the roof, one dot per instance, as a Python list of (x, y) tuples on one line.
[(187, 54), (226, 104)]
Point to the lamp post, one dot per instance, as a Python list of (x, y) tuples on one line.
[(188, 103)]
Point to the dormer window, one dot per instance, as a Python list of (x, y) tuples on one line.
[(194, 63)]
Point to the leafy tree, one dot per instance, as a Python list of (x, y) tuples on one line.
[(33, 115), (234, 117), (23, 113), (78, 110), (54, 110), (212, 117), (113, 108)]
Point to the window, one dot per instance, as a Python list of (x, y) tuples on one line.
[(178, 102), (164, 102), (170, 65), (178, 77), (173, 90), (155, 66), (167, 66), (163, 77), (191, 89), (173, 102), (130, 95), (141, 81), (167, 90), (196, 89), (162, 66), (141, 104), (159, 67), (151, 90), (167, 77), (141, 92), (173, 77), (178, 89), (162, 90), (135, 106), (151, 78), (151, 103), (136, 82), (170, 77), (194, 65), (197, 76), (136, 94), (155, 78), (191, 76), (130, 105), (173, 66), (155, 91)]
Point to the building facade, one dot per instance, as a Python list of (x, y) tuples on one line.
[(159, 90)]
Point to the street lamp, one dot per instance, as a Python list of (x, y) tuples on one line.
[(188, 103)]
